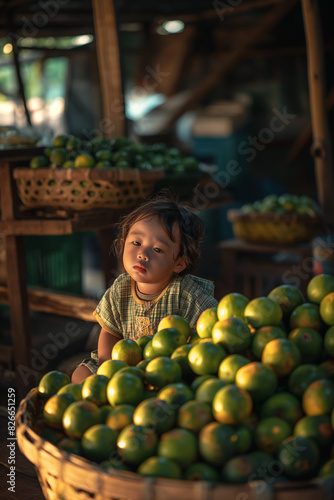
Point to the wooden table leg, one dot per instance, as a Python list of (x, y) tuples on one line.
[(109, 260), (26, 377), (19, 315), (228, 261)]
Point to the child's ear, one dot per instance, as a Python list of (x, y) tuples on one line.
[(180, 265)]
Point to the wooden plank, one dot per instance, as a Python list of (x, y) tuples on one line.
[(52, 223), (321, 148), (37, 227), (19, 314), (20, 153), (107, 46), (251, 36), (61, 304), (6, 355), (26, 487), (245, 246)]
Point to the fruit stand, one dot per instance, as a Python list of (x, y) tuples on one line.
[(243, 408)]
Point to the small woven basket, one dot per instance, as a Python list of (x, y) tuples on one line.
[(280, 229), (85, 189), (65, 476)]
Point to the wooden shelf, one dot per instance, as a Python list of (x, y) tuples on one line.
[(19, 153), (77, 223), (55, 303), (253, 264)]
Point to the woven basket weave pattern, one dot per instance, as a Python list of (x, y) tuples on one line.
[(64, 476), (84, 189), (274, 228)]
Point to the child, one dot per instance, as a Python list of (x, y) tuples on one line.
[(159, 243)]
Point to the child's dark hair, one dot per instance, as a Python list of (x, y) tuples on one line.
[(168, 212)]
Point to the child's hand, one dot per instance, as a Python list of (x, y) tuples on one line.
[(105, 345)]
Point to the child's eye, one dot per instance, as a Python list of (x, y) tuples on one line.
[(158, 250), (136, 243)]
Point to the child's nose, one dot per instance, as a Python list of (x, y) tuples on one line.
[(143, 255)]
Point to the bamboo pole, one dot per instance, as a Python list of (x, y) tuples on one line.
[(108, 57), (321, 148), (19, 79), (306, 135)]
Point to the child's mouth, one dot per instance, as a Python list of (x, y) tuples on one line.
[(141, 269)]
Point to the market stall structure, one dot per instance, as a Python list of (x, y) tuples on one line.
[(105, 28)]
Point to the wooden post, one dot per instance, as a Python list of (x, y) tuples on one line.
[(321, 148), (17, 292), (306, 135), (107, 46)]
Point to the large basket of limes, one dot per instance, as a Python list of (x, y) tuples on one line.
[(84, 189), (284, 220), (68, 476), (101, 173)]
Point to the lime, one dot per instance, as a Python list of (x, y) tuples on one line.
[(39, 161), (94, 388), (177, 322), (58, 156), (127, 350), (84, 161), (327, 309), (232, 305), (320, 286), (60, 141), (206, 321), (51, 382)]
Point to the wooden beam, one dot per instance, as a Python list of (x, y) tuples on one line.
[(108, 57), (39, 227), (55, 303), (251, 36), (216, 11), (321, 148)]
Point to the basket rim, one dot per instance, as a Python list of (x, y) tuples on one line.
[(237, 215), (143, 486), (94, 174)]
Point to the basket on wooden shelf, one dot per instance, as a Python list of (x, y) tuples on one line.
[(85, 189), (67, 476), (271, 228)]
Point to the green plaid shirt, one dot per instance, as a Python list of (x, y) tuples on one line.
[(124, 315)]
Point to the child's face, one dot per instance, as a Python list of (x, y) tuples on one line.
[(150, 257)]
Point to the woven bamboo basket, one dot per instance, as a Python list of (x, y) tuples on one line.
[(65, 476), (85, 189), (281, 229)]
